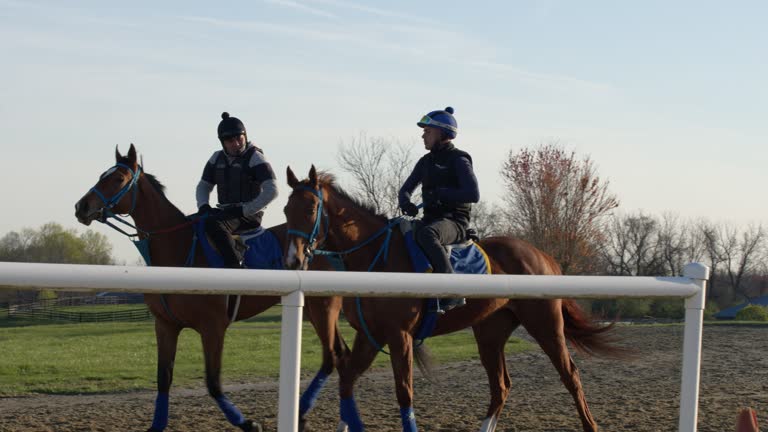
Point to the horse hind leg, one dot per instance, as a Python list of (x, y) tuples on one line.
[(491, 336), (544, 321), (213, 347), (167, 336)]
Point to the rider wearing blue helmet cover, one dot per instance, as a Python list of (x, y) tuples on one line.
[(448, 187)]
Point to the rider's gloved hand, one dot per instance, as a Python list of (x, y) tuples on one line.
[(233, 212), (409, 209)]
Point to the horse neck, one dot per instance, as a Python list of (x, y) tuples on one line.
[(351, 225), (153, 211)]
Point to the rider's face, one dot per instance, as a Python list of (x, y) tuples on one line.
[(432, 137), (234, 145)]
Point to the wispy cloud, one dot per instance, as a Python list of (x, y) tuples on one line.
[(302, 7), (464, 50), (372, 10), (540, 78), (270, 28)]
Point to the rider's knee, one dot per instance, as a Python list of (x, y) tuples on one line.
[(426, 235)]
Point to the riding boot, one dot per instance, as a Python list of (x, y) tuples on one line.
[(225, 243)]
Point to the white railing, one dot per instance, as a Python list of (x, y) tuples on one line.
[(294, 285)]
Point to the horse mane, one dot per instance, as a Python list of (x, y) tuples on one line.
[(327, 179), (156, 184)]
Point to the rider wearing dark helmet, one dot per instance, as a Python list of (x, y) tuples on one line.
[(448, 187), (245, 185)]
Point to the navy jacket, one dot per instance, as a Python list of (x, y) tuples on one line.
[(448, 184)]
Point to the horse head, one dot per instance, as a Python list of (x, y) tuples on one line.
[(114, 192), (303, 214)]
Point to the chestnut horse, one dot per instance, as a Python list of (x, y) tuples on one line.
[(346, 226), (125, 189)]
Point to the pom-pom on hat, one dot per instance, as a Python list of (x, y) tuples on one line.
[(443, 120), (230, 126)]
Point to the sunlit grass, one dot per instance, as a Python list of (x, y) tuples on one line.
[(115, 357)]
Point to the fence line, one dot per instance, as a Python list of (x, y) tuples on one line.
[(294, 285)]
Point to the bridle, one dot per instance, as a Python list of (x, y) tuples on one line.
[(312, 236)]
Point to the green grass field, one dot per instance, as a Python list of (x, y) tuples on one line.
[(117, 357), (101, 308)]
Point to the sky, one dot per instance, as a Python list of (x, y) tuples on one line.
[(667, 98)]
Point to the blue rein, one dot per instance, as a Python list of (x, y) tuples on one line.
[(142, 244), (336, 256)]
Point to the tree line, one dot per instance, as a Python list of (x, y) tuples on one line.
[(52, 243)]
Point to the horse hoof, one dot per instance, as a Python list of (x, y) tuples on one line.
[(342, 427), (303, 425), (154, 430), (250, 426)]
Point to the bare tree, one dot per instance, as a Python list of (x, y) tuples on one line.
[(488, 220), (739, 250), (633, 246), (557, 202), (379, 167)]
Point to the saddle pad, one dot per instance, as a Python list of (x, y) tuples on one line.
[(467, 257), (264, 251)]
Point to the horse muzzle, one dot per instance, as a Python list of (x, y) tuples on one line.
[(85, 214)]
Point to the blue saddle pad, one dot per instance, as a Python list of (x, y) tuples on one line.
[(467, 257), (263, 251)]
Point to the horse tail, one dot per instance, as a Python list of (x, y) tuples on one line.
[(589, 337), (424, 361)]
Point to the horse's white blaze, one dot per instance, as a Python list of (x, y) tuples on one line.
[(291, 259), (489, 424), (342, 427)]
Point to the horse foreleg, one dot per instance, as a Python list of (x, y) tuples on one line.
[(544, 321), (167, 336), (350, 369), (213, 346), (401, 357), (491, 335), (324, 314)]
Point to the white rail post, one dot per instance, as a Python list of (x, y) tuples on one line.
[(694, 321), (290, 362)]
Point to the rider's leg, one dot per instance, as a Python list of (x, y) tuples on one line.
[(220, 232), (432, 237)]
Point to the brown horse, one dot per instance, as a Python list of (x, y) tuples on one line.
[(346, 223), (125, 189)]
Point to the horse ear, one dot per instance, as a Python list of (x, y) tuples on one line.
[(292, 180), (132, 154), (118, 156), (313, 177)]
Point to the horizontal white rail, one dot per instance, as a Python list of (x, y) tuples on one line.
[(93, 278), (294, 285)]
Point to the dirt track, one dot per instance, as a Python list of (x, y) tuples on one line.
[(640, 395)]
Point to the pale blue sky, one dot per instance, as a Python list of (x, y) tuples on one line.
[(668, 98)]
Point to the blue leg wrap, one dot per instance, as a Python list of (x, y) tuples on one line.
[(310, 395), (409, 419), (233, 414), (160, 421), (350, 415)]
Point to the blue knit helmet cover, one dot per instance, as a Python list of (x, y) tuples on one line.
[(442, 119)]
